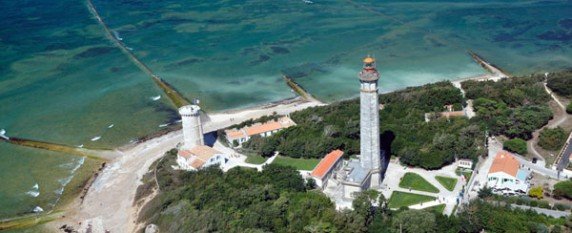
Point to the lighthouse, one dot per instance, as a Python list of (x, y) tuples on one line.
[(370, 156), (192, 127)]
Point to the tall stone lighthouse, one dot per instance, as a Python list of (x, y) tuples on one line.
[(370, 157), (192, 127)]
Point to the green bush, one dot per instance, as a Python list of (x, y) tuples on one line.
[(561, 83), (569, 108), (562, 207), (552, 139), (563, 189), (544, 204), (515, 145), (533, 203)]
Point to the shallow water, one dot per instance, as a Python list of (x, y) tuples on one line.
[(61, 80)]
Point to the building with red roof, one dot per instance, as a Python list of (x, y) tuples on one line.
[(327, 167)]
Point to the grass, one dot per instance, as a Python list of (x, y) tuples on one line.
[(416, 182), (447, 182), (299, 164), (437, 209), (400, 199), (255, 159)]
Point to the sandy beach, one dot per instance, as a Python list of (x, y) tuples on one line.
[(109, 202)]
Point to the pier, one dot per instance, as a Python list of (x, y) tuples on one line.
[(105, 154), (299, 90), (176, 98), (496, 72)]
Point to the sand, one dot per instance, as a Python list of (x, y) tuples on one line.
[(109, 201)]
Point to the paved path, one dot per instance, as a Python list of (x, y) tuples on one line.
[(396, 171), (552, 213)]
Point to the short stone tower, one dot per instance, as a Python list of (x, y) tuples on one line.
[(370, 157), (192, 126)]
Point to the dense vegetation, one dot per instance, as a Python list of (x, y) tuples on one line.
[(516, 145), (552, 139), (404, 131), (563, 189), (514, 107), (561, 83), (278, 200)]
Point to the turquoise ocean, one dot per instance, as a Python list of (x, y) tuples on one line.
[(63, 81)]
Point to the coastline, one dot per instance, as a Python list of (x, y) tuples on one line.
[(107, 202), (117, 183)]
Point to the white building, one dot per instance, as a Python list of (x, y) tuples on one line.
[(506, 175), (192, 126), (261, 129), (200, 157), (465, 163), (327, 167)]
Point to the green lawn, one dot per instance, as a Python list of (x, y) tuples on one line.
[(255, 159), (447, 182), (299, 164), (437, 209), (416, 182), (399, 199)]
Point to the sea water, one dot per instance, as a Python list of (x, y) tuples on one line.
[(62, 80)]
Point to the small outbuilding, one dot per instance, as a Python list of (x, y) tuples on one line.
[(327, 167)]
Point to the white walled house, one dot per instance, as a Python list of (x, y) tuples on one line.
[(506, 176), (325, 170), (261, 129), (200, 157)]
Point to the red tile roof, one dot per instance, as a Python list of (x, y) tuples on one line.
[(505, 162), (327, 163)]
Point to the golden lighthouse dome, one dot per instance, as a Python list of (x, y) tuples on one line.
[(368, 59)]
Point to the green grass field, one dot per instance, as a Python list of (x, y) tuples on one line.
[(416, 182), (399, 199), (299, 164), (437, 209), (255, 159), (447, 182)]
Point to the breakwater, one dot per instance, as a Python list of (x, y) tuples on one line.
[(176, 98), (94, 153), (299, 89), (487, 66)]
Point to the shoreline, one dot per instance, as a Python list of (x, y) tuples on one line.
[(122, 176), (108, 199)]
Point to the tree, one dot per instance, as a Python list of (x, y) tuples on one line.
[(414, 221), (485, 192), (563, 189), (310, 184), (536, 192), (552, 139), (516, 145), (569, 108)]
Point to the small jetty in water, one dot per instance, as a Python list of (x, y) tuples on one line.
[(299, 89), (3, 135)]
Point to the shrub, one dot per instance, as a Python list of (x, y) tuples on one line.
[(569, 108), (536, 192), (515, 145), (563, 189), (562, 207), (552, 139), (561, 83), (544, 204), (534, 203)]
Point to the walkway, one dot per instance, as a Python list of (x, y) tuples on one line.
[(396, 171), (552, 213)]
